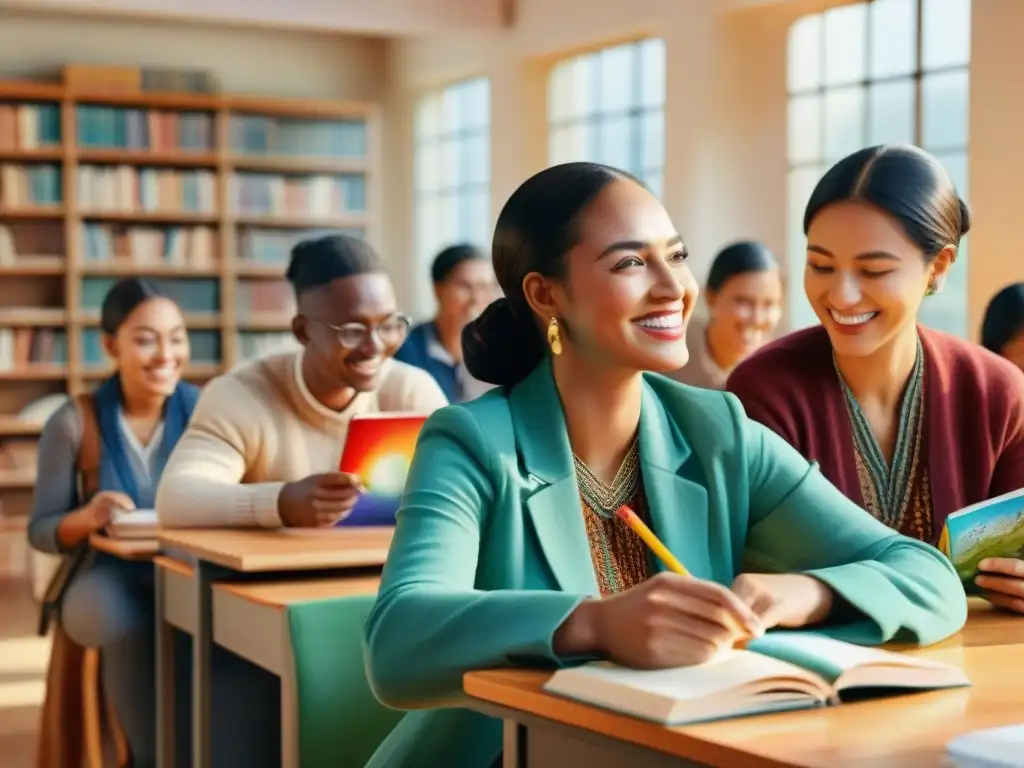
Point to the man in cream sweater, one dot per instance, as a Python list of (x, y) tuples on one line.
[(265, 440)]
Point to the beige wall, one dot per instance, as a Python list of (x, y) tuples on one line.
[(247, 60), (725, 115)]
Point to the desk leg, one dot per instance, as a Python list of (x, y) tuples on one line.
[(290, 746), (513, 748), (202, 648), (165, 693)]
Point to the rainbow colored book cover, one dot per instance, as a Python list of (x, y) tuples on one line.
[(379, 449)]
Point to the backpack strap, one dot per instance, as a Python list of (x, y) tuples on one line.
[(88, 464)]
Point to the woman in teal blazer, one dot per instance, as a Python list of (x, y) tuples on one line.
[(507, 551)]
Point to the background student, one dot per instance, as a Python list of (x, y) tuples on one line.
[(744, 299), (1002, 330), (507, 550), (912, 423), (463, 285), (135, 418), (265, 442)]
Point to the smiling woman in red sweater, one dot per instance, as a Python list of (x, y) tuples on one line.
[(909, 423)]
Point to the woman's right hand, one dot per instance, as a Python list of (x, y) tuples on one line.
[(93, 517), (667, 621)]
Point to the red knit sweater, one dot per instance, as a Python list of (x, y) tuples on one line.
[(974, 414)]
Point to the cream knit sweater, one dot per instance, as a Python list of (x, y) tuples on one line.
[(257, 428)]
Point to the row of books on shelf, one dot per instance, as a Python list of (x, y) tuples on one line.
[(144, 129), (20, 347), (144, 246), (33, 185), (259, 194), (274, 297), (273, 246), (125, 188), (29, 126), (265, 135)]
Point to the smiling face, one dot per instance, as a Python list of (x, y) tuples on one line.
[(331, 325), (628, 291), (150, 348), (865, 278), (746, 309)]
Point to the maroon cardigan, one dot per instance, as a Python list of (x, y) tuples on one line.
[(974, 414)]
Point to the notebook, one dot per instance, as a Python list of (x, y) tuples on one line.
[(133, 524), (989, 747), (777, 672), (993, 528), (379, 449)]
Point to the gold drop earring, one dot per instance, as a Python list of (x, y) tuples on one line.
[(554, 337)]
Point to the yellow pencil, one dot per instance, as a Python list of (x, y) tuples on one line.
[(629, 517)]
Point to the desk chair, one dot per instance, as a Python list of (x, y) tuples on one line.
[(78, 721)]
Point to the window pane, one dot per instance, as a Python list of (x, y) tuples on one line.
[(560, 145), (956, 164), (653, 180), (447, 219), (582, 86), (427, 173), (804, 59), (946, 33), (475, 225), (447, 164), (428, 235), (893, 37), (805, 129), (476, 103), (652, 139), (560, 85), (474, 164), (891, 112), (428, 117), (617, 78), (944, 110), (451, 110), (845, 44), (616, 142), (652, 73), (844, 122), (801, 184)]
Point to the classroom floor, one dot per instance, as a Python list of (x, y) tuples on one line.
[(23, 660)]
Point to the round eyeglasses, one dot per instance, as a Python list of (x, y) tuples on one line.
[(391, 332)]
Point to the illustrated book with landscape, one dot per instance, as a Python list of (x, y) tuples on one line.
[(993, 528)]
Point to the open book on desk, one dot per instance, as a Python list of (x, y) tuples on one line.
[(133, 524), (780, 671)]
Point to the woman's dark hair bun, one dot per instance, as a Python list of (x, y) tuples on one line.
[(500, 348), (965, 218)]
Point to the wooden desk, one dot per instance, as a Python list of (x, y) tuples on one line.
[(126, 549), (262, 551), (250, 620), (217, 554), (544, 731)]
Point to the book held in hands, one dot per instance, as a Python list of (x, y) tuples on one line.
[(992, 528)]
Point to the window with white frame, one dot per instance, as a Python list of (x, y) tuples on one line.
[(453, 172), (609, 107), (871, 73)]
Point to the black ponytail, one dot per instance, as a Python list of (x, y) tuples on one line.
[(536, 228)]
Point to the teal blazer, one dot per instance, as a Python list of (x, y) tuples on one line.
[(490, 552)]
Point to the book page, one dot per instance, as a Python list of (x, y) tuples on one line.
[(827, 657), (730, 670)]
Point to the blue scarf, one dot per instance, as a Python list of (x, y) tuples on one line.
[(115, 465)]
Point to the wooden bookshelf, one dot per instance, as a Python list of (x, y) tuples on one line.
[(203, 193)]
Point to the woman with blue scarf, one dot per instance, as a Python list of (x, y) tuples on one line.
[(140, 413)]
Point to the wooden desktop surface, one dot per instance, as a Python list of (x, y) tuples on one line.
[(902, 731), (287, 550), (126, 549), (281, 594)]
